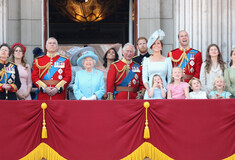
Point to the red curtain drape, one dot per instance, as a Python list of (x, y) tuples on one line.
[(100, 130)]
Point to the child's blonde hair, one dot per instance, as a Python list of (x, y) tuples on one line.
[(196, 79), (156, 75), (181, 79), (219, 78)]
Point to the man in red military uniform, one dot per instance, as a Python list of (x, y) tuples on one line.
[(124, 80), (190, 60), (51, 73)]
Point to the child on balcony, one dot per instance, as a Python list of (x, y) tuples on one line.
[(196, 86), (218, 92), (177, 89), (157, 91)]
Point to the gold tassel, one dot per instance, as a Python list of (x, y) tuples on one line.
[(146, 129), (44, 129)]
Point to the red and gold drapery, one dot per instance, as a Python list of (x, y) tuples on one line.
[(105, 130)]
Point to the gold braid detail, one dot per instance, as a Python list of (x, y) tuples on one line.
[(2, 73), (46, 67), (182, 58), (123, 71)]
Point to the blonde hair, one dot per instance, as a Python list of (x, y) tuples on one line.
[(181, 79), (156, 75), (216, 79), (196, 79)]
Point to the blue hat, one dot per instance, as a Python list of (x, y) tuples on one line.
[(157, 35), (74, 53), (86, 54)]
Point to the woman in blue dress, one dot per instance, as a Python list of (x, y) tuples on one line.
[(156, 63), (89, 83)]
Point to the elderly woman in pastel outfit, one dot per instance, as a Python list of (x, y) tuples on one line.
[(18, 57), (89, 83), (156, 63), (74, 53)]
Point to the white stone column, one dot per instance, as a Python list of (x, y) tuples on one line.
[(3, 16)]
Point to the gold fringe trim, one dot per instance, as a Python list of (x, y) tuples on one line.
[(147, 150), (230, 158), (43, 151)]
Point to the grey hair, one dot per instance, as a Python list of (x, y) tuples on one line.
[(94, 61), (52, 38), (128, 44)]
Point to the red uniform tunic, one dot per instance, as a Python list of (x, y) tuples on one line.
[(118, 72), (189, 60), (59, 75)]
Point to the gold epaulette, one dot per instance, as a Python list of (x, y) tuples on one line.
[(45, 67), (136, 56)]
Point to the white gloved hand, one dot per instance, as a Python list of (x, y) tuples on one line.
[(92, 97), (83, 98)]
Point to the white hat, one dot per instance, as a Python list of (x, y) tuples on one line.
[(157, 35)]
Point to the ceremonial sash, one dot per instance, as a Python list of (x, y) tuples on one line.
[(189, 55), (8, 74), (127, 79), (53, 69)]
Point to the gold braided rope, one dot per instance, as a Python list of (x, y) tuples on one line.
[(2, 73), (123, 71), (182, 58), (47, 67)]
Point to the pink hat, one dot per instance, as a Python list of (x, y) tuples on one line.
[(18, 44)]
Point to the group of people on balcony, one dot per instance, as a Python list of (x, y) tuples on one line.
[(180, 75)]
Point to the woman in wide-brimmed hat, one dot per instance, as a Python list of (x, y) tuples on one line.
[(74, 53), (89, 83), (18, 57), (156, 63)]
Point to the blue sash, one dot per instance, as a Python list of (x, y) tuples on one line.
[(192, 53), (8, 74), (127, 79), (53, 69)]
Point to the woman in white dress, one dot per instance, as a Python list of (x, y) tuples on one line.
[(156, 63), (213, 67), (18, 57)]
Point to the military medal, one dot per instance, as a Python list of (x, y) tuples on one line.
[(9, 81), (191, 70), (136, 76), (192, 63), (60, 71), (134, 81), (13, 76), (60, 77)]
